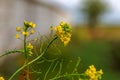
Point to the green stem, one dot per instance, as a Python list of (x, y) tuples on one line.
[(26, 55), (48, 71), (76, 66), (25, 49), (12, 51), (66, 76), (60, 69), (33, 59)]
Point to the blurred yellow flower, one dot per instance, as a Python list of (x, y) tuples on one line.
[(17, 36), (25, 33), (30, 46), (30, 53), (32, 25), (59, 30), (1, 78), (100, 71), (65, 40), (18, 29), (92, 68)]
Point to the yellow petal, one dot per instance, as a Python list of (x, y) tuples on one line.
[(17, 36), (18, 29)]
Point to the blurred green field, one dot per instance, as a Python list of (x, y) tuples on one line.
[(101, 49), (97, 53), (106, 33)]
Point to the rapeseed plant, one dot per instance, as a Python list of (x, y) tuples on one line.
[(63, 31)]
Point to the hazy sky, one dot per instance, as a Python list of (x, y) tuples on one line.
[(113, 4), (113, 14)]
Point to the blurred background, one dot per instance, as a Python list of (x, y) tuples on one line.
[(96, 31)]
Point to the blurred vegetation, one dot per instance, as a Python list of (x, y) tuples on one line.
[(93, 10)]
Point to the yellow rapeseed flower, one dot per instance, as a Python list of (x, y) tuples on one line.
[(32, 25), (92, 68), (30, 46), (25, 33), (64, 31), (59, 30), (26, 30), (30, 53), (17, 36), (93, 74), (18, 29), (90, 73), (100, 71), (65, 40), (1, 78)]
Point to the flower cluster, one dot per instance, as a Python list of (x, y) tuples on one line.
[(1, 78), (64, 32), (26, 30), (93, 74), (29, 48)]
